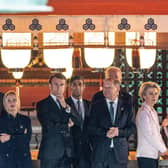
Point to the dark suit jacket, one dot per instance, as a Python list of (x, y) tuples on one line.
[(1, 102), (17, 147), (80, 135), (100, 123), (22, 137), (56, 139)]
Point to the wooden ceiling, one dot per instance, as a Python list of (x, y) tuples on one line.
[(107, 7)]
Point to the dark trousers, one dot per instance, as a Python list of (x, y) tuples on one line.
[(110, 162), (55, 163), (7, 163), (81, 163), (25, 163), (147, 162)]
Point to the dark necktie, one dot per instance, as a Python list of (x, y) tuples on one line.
[(58, 103), (80, 113), (79, 108), (112, 112)]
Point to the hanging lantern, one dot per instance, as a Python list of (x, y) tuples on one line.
[(99, 57), (58, 58), (139, 57), (15, 59), (17, 75)]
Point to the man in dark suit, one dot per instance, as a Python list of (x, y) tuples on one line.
[(80, 106), (54, 116), (1, 102), (111, 123), (111, 73)]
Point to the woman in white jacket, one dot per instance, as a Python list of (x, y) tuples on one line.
[(150, 143)]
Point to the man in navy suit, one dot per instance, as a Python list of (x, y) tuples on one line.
[(55, 118), (80, 106), (111, 123), (1, 102)]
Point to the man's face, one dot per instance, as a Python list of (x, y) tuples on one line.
[(77, 88), (114, 75), (57, 87), (110, 90)]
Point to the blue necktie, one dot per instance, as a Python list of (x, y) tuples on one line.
[(112, 112), (79, 109), (80, 113)]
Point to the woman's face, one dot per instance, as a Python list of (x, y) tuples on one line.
[(151, 96), (11, 104)]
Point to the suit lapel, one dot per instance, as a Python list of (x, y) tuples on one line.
[(74, 111), (106, 111), (120, 108), (53, 103), (86, 109)]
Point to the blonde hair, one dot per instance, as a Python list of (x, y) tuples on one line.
[(112, 69), (145, 86), (11, 92)]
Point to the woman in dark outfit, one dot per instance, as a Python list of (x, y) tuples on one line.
[(18, 128)]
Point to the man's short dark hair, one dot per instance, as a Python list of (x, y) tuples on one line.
[(74, 78), (57, 75)]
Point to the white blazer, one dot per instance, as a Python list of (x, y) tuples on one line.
[(150, 142)]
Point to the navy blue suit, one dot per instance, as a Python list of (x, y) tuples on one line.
[(22, 137), (99, 124), (1, 102), (6, 149), (16, 151), (82, 147), (56, 139)]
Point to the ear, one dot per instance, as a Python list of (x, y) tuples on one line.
[(49, 86), (144, 97)]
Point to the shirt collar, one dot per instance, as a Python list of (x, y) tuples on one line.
[(76, 100), (53, 96), (115, 101)]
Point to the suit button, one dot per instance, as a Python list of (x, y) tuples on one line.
[(7, 155)]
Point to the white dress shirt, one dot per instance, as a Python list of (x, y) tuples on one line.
[(55, 99), (115, 102), (150, 142)]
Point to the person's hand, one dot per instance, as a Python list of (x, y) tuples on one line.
[(112, 132), (115, 131), (165, 122), (109, 134), (70, 123), (4, 137)]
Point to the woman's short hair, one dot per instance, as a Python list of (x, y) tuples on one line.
[(145, 86), (11, 92)]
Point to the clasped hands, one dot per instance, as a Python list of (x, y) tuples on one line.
[(4, 137), (112, 132)]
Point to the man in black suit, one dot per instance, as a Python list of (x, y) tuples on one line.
[(80, 106), (111, 123), (55, 118), (111, 73), (1, 102)]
